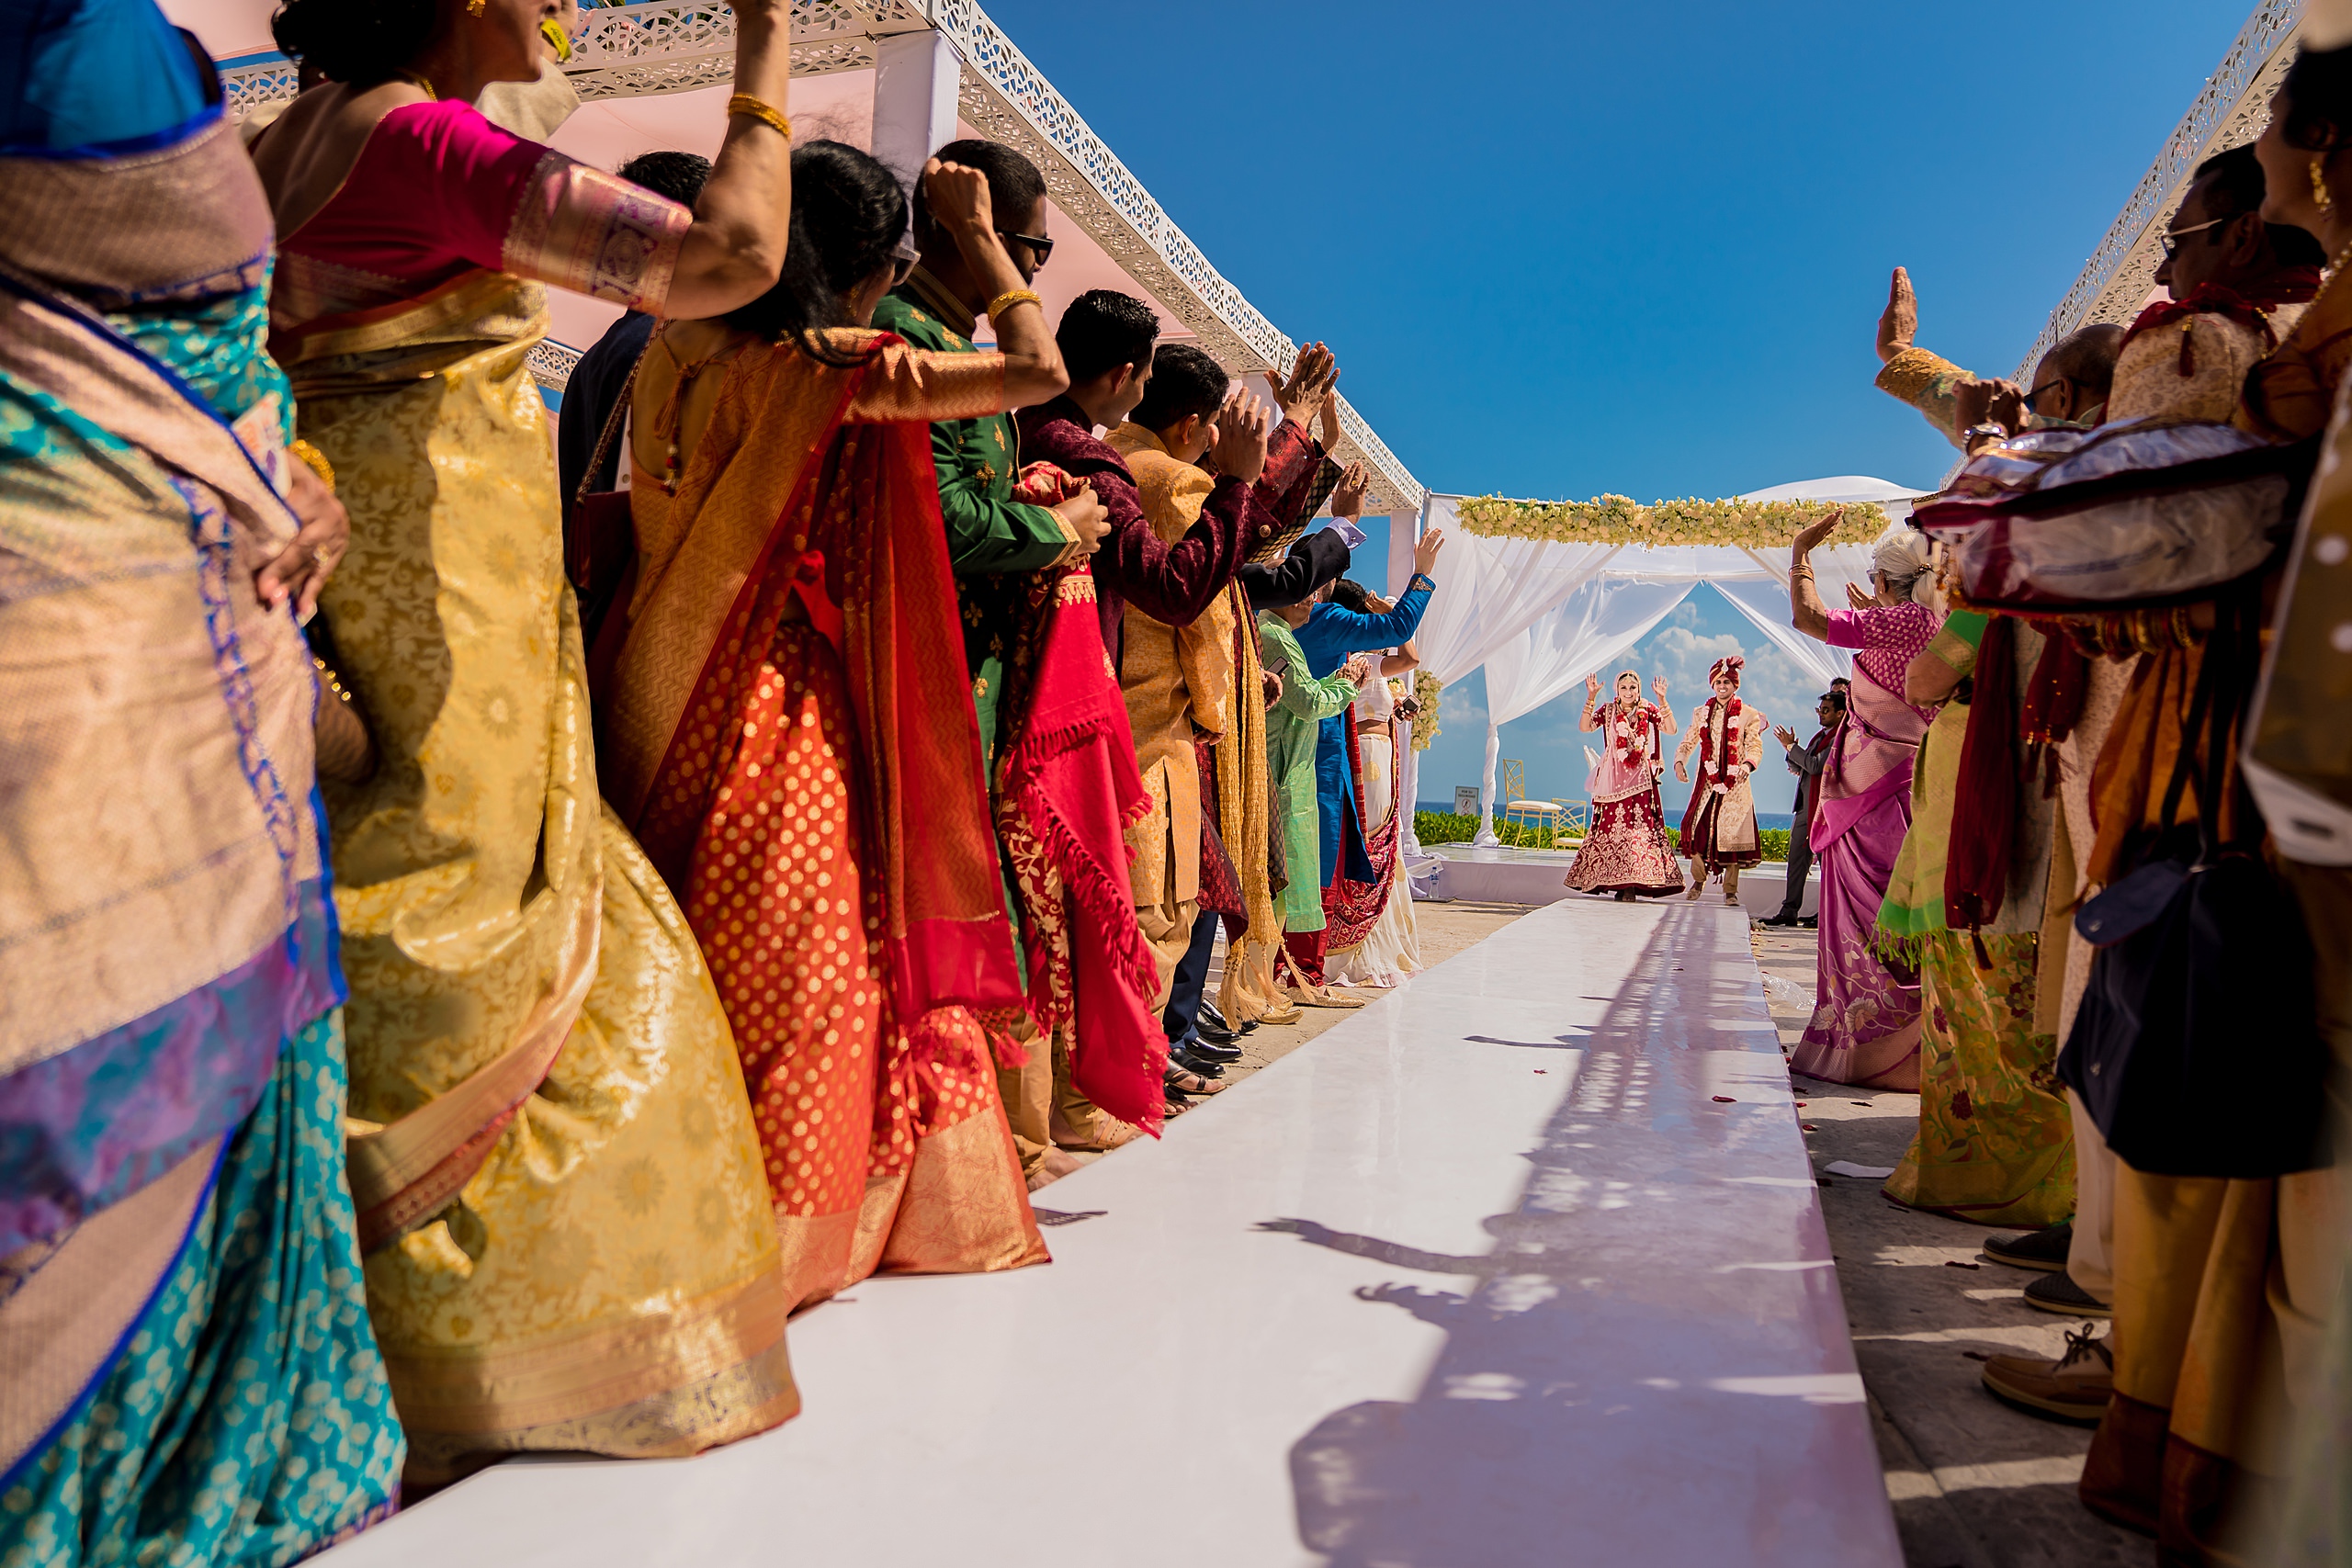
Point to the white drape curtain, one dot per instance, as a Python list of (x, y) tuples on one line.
[(1489, 589), (1541, 616), (1763, 598), (1585, 635)]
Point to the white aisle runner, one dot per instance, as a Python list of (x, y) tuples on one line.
[(1521, 1265)]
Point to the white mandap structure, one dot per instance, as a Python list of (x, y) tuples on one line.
[(901, 77)]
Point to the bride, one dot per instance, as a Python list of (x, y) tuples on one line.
[(1625, 852)]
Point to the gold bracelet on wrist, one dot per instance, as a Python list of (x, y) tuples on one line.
[(315, 460), (1008, 299), (759, 110)]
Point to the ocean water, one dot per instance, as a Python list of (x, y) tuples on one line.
[(1673, 814)]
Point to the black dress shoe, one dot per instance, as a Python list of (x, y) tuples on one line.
[(1212, 1051), (1212, 1019), (1200, 1065), (1215, 1034), (2044, 1249), (2059, 1293)]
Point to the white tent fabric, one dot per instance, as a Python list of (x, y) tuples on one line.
[(1490, 590), (1541, 616), (1586, 635)]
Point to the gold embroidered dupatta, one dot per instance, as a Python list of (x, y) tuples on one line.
[(553, 1155), (807, 514)]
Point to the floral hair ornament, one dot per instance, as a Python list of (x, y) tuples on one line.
[(1731, 665)]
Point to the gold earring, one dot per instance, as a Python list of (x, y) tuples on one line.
[(474, 8), (2319, 184)]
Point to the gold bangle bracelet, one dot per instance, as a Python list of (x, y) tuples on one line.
[(315, 460), (1010, 298), (767, 113)]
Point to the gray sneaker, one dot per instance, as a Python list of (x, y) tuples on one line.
[(2059, 1293)]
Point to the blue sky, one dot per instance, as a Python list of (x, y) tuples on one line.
[(1568, 248)]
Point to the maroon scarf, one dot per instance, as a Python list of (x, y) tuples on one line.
[(1351, 909), (2250, 308), (1067, 791)]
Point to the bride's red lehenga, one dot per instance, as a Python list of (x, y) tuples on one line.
[(1624, 848)]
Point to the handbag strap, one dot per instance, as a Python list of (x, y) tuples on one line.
[(613, 422), (2212, 714)]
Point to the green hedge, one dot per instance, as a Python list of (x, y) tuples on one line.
[(1449, 828)]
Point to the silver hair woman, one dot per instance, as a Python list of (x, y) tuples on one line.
[(1865, 1026)]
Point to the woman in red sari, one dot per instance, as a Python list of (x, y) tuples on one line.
[(783, 722)]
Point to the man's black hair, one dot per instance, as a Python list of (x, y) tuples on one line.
[(2237, 186), (678, 176), (1014, 184), (1184, 380), (1103, 329), (1834, 697)]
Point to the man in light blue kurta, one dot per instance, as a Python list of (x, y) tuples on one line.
[(1330, 635)]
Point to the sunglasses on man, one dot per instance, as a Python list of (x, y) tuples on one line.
[(1041, 247), (2173, 238)]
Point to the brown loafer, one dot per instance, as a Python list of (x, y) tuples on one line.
[(2072, 1388)]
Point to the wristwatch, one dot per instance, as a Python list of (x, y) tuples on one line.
[(1987, 431)]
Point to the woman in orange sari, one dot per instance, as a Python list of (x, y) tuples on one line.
[(784, 724), (563, 1224)]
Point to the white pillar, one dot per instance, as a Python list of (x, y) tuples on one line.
[(915, 78), (1487, 787), (1404, 532)]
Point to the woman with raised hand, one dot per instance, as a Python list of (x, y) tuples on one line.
[(187, 1370), (567, 1236), (1865, 1027), (1624, 849), (782, 701)]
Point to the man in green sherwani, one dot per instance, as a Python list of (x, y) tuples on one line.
[(1291, 727), (993, 543), (993, 539)]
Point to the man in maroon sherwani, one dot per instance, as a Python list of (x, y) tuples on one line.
[(1107, 341)]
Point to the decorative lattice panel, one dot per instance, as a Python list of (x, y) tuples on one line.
[(2230, 111), (673, 46)]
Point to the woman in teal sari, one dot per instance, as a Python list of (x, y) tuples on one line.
[(186, 1371)]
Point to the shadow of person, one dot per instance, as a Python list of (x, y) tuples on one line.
[(1637, 1371)]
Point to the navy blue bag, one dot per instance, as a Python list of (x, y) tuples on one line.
[(2197, 1048)]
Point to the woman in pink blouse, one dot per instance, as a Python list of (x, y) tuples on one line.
[(1865, 1026), (566, 1231)]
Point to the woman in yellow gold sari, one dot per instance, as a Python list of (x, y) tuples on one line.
[(781, 698), (561, 1214)]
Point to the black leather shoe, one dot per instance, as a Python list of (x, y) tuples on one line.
[(1215, 1034), (2044, 1250), (2059, 1293), (1212, 1051), (1200, 1065), (1212, 1019)]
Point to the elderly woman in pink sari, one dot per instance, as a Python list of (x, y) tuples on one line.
[(1865, 1026)]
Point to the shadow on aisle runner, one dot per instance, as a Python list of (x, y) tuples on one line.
[(1596, 1317), (1520, 1264)]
